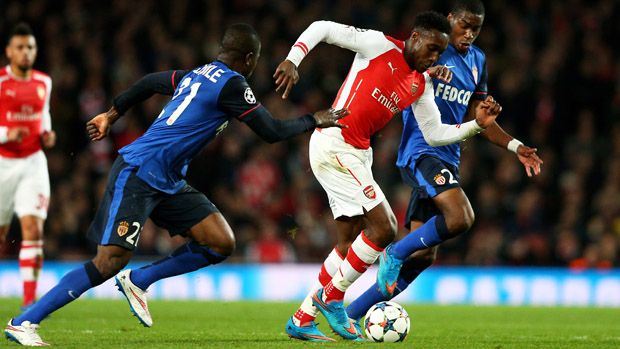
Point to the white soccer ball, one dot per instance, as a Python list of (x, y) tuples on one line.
[(387, 322)]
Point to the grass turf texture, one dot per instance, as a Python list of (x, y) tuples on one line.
[(190, 324)]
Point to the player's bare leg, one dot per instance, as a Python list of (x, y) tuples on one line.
[(30, 255)]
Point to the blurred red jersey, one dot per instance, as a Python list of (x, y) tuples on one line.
[(24, 102)]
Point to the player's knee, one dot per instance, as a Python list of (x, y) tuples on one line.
[(223, 245), (460, 222), (32, 231), (384, 232)]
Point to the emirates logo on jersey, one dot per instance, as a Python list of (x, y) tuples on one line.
[(414, 87), (370, 193)]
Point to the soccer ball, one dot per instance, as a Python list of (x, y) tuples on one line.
[(387, 322)]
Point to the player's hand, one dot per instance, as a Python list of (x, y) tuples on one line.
[(329, 118), (99, 126), (529, 159), (48, 139), (487, 112), (286, 76), (440, 72), (17, 134)]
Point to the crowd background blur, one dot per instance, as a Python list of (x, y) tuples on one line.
[(552, 65)]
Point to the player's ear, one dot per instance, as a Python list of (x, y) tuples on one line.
[(248, 58)]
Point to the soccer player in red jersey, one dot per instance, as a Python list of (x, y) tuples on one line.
[(387, 75), (25, 128)]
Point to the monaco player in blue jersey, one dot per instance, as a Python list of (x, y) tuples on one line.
[(439, 209), (147, 179)]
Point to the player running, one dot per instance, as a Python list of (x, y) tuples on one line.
[(25, 128), (438, 208), (387, 75), (147, 179)]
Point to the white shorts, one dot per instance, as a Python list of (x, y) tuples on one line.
[(24, 187), (346, 175)]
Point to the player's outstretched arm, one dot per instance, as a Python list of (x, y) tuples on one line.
[(496, 135), (366, 42), (274, 130), (163, 83)]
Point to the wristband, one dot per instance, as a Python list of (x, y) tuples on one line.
[(513, 145)]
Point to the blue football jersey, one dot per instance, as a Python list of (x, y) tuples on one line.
[(469, 80), (202, 104)]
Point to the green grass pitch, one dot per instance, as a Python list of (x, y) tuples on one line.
[(95, 324)]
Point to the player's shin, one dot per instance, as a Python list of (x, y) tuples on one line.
[(307, 311), (185, 259), (360, 256), (430, 234), (30, 263), (68, 289)]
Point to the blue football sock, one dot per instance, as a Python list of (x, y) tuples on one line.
[(431, 233), (372, 296), (70, 287), (185, 259)]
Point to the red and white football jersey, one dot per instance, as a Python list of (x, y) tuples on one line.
[(379, 84), (24, 102)]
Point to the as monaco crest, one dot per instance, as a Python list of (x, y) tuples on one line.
[(370, 193), (440, 179), (123, 228), (414, 87)]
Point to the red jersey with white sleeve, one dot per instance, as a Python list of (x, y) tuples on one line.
[(379, 84), (24, 103)]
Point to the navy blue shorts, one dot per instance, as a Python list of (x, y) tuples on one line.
[(128, 201), (428, 177)]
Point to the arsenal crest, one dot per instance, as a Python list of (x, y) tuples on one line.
[(414, 87), (440, 179), (123, 228), (370, 193)]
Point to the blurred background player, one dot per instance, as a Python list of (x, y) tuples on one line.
[(25, 128), (386, 76), (148, 178), (438, 207)]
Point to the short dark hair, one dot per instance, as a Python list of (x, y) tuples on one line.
[(473, 6), (241, 38), (21, 28), (431, 20)]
